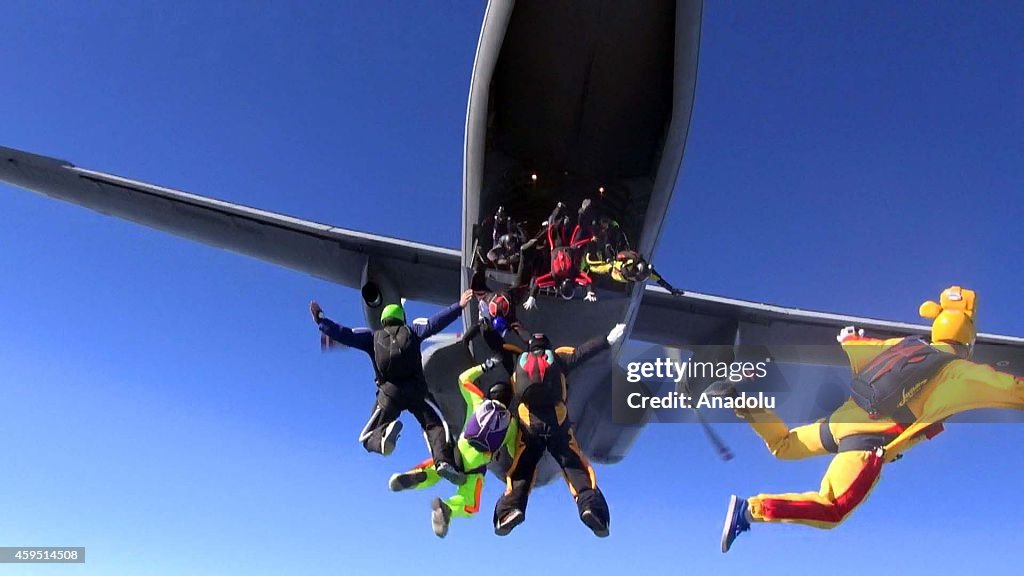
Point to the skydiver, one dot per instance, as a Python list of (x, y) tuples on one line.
[(505, 253), (394, 350), (627, 267), (501, 225), (564, 271), (496, 316), (544, 425), (903, 389), (507, 238), (609, 239), (489, 427), (496, 320), (506, 241)]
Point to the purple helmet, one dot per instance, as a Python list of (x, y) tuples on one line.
[(485, 430)]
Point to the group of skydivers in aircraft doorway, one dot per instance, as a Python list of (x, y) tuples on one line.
[(902, 388)]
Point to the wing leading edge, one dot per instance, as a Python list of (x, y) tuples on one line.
[(420, 272)]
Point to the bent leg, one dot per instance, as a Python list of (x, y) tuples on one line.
[(579, 474), (424, 474), (466, 501), (385, 411), (520, 476), (848, 481), (783, 443), (435, 430)]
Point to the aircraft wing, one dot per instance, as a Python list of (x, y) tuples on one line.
[(786, 334), (419, 271)]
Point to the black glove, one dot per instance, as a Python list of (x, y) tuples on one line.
[(316, 312)]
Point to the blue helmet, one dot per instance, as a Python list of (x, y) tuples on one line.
[(499, 323)]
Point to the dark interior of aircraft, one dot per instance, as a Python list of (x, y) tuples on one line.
[(605, 107)]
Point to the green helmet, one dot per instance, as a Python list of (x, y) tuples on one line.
[(392, 314)]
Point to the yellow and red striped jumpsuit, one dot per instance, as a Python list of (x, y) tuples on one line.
[(959, 386)]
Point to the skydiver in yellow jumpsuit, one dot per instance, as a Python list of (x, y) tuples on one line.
[(930, 382), (627, 267)]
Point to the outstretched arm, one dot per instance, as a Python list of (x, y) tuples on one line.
[(583, 352), (467, 386), (473, 395), (860, 349), (360, 338), (657, 279), (443, 318), (592, 348)]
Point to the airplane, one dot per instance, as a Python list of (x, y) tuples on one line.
[(602, 113)]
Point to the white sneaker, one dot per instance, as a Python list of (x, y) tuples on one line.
[(390, 437), (440, 518)]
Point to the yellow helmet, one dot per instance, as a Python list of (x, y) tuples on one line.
[(953, 316)]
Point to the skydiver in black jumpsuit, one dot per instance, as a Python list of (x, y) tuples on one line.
[(540, 384), (394, 350)]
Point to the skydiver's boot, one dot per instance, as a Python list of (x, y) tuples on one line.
[(737, 521), (594, 512), (510, 520), (595, 523), (584, 223), (450, 473), (584, 206), (390, 437), (555, 214), (440, 517), (407, 480)]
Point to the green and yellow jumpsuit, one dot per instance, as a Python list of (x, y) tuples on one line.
[(472, 460)]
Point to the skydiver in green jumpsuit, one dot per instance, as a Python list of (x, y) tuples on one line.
[(489, 427)]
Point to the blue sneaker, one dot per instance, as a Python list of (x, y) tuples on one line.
[(736, 522)]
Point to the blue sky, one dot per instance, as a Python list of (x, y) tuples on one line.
[(166, 404)]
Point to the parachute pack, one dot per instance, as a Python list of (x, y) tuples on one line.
[(396, 354), (894, 377)]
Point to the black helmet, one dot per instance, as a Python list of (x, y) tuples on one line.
[(509, 241), (539, 342), (567, 289), (632, 265), (501, 392)]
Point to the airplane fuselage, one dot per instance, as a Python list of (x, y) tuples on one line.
[(570, 101)]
